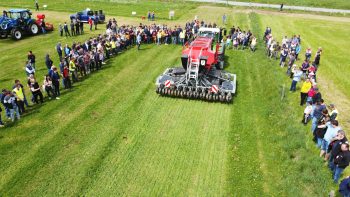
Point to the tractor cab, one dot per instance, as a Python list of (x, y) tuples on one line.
[(213, 33)]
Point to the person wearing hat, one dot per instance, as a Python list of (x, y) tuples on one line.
[(334, 112)]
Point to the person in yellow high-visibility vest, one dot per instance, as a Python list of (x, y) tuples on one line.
[(73, 69)]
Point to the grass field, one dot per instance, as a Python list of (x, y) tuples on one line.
[(112, 135), (338, 4)]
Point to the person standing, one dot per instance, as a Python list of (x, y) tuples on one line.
[(296, 79), (153, 16), (55, 77), (77, 27), (95, 21), (48, 62), (35, 88), (318, 57), (36, 5), (31, 58), (138, 40), (72, 70), (81, 25), (59, 50), (281, 7), (29, 69), (334, 112), (18, 93), (224, 18), (149, 15), (18, 82), (60, 28), (90, 23), (72, 27), (341, 161), (331, 132), (10, 103), (48, 87), (305, 87), (43, 26), (66, 30), (66, 78)]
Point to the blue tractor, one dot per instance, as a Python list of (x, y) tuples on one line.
[(16, 23), (84, 16)]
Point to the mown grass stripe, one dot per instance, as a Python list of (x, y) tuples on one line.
[(97, 96)]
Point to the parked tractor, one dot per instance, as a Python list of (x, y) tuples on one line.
[(84, 16), (17, 22), (201, 75)]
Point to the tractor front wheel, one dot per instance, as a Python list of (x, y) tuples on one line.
[(34, 29), (16, 34)]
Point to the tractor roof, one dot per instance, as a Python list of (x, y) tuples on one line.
[(202, 42), (18, 10)]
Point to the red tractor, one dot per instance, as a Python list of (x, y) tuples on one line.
[(201, 75)]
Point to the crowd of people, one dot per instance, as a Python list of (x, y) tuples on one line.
[(325, 128), (83, 58)]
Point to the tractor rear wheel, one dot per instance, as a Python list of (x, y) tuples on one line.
[(34, 29), (16, 34)]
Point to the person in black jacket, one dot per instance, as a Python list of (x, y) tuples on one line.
[(31, 58), (341, 161), (66, 30), (335, 147)]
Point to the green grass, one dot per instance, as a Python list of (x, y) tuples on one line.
[(114, 8), (338, 4), (112, 135)]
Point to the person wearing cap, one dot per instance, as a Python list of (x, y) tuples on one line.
[(305, 87), (334, 112)]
